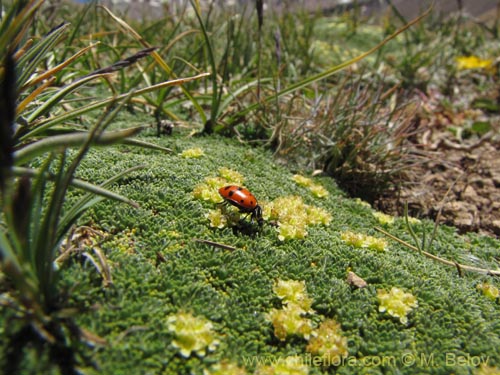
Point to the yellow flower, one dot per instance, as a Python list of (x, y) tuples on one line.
[(397, 303), (384, 219), (473, 62), (360, 240), (316, 189), (319, 191), (216, 218), (231, 177), (302, 181), (328, 343), (484, 369), (192, 334), (293, 292), (192, 153), (293, 216), (207, 193), (316, 216), (414, 220), (289, 321), (362, 202), (209, 189), (488, 290)]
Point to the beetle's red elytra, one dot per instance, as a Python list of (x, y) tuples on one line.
[(243, 199)]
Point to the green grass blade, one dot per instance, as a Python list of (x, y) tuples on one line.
[(90, 199), (58, 96), (64, 141), (14, 25), (80, 184), (47, 124), (32, 59), (214, 109)]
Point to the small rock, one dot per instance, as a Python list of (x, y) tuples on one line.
[(461, 214), (355, 280), (469, 194), (495, 226)]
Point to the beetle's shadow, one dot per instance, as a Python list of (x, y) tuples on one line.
[(246, 228)]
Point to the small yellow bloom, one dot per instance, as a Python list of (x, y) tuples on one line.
[(230, 176), (316, 189), (290, 320), (484, 369), (216, 218), (362, 202), (192, 334), (328, 343), (384, 219), (414, 220), (293, 292), (207, 193), (397, 303), (319, 191), (291, 231), (360, 240), (302, 181), (192, 153), (473, 62), (317, 216), (488, 290), (293, 216)]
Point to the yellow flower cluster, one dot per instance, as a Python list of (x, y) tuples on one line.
[(293, 292), (316, 189), (364, 241), (291, 320), (191, 153), (484, 369), (397, 303), (473, 62), (328, 342), (291, 365), (362, 202), (490, 291), (414, 220), (383, 219), (209, 189), (192, 334), (293, 216)]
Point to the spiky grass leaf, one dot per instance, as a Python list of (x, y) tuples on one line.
[(59, 119), (15, 22), (56, 99), (31, 60), (159, 60), (64, 141)]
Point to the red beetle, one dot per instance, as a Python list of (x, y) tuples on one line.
[(243, 200)]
